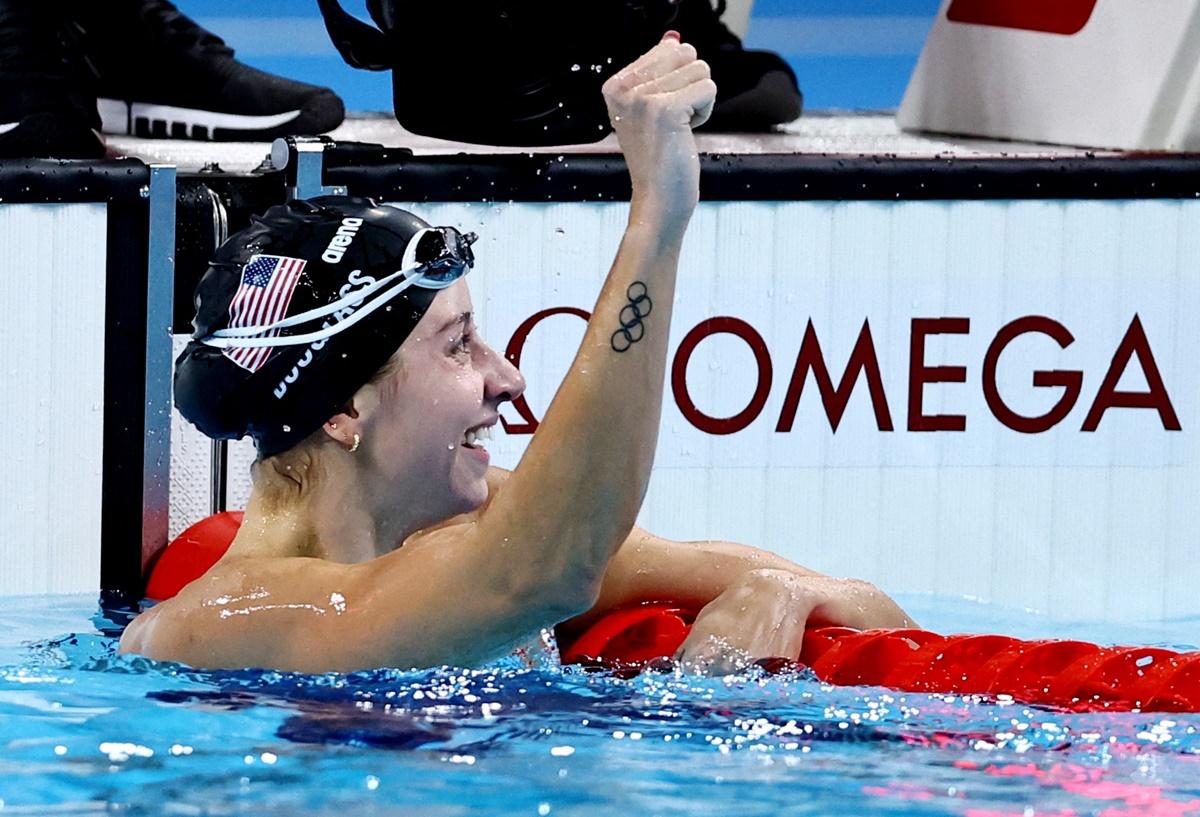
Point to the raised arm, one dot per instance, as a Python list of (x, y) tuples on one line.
[(574, 497)]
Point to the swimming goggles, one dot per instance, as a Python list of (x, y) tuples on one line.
[(447, 257)]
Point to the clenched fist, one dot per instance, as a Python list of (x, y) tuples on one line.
[(654, 103)]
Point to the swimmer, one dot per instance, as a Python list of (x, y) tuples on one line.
[(339, 335)]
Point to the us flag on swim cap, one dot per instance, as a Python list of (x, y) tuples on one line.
[(262, 298)]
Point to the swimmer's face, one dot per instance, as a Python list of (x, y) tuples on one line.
[(443, 382)]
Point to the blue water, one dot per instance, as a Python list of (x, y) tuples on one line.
[(83, 731)]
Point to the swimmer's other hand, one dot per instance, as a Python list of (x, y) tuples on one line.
[(765, 613), (654, 103)]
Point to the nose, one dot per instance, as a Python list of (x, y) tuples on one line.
[(503, 382)]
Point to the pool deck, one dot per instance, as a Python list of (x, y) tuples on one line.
[(856, 134)]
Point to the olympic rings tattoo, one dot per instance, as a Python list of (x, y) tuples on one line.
[(632, 330)]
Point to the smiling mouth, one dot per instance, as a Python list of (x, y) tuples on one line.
[(475, 437)]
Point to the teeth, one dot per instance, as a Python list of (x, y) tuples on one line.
[(476, 436)]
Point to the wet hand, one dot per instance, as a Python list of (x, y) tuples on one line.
[(765, 613), (654, 103)]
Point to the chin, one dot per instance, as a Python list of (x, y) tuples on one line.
[(469, 495)]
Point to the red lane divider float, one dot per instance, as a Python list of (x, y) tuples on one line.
[(191, 554), (1072, 675)]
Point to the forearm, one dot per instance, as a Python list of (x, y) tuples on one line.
[(700, 572), (591, 457), (575, 495), (649, 568), (598, 438)]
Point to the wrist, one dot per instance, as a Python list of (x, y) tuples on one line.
[(650, 215)]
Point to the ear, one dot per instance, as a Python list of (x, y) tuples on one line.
[(342, 426)]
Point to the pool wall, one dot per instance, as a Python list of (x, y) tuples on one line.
[(1017, 423), (1021, 428), (87, 279)]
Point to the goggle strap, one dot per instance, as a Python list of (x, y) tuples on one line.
[(310, 337), (314, 314)]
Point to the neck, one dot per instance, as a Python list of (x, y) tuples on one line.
[(320, 503)]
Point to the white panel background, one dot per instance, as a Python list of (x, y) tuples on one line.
[(1040, 87), (1098, 525), (52, 282)]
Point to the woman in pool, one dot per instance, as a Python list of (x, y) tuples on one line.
[(339, 335)]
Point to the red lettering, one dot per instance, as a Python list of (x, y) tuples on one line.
[(1134, 343), (919, 374), (717, 326), (862, 359), (513, 352), (1070, 381)]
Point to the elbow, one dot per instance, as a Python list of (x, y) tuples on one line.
[(576, 600), (569, 592), (569, 581), (567, 597)]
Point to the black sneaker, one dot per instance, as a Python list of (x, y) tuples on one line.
[(755, 89), (45, 111), (160, 75)]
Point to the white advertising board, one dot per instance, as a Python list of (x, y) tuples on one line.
[(1019, 423), (52, 357)]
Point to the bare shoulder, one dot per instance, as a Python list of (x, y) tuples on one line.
[(452, 594), (434, 601), (244, 612)]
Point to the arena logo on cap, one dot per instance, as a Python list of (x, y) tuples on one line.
[(1065, 17), (341, 240)]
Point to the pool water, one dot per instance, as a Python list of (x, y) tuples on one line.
[(83, 731)]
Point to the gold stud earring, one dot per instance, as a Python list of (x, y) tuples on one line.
[(357, 440)]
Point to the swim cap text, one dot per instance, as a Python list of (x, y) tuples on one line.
[(341, 240), (353, 280)]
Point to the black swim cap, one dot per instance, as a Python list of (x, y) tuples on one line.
[(299, 257)]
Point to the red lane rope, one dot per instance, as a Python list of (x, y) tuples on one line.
[(1066, 674)]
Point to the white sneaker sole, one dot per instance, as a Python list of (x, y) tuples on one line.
[(171, 122)]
